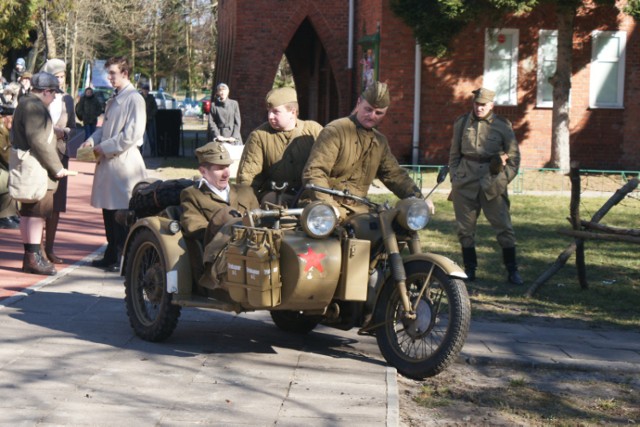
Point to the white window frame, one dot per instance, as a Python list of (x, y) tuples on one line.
[(506, 88), (600, 60), (547, 54)]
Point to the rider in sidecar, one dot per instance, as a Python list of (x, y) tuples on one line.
[(210, 204)]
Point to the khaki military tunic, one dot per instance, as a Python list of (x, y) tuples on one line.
[(474, 142), (347, 156), (200, 204), (278, 156)]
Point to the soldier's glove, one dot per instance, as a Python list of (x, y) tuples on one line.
[(495, 165)]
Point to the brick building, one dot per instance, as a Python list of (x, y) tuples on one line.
[(331, 44)]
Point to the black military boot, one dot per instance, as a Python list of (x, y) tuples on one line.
[(470, 261), (509, 257)]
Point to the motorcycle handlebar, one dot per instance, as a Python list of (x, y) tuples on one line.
[(346, 194)]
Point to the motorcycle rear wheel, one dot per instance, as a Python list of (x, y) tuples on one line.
[(151, 314), (426, 346), (294, 321)]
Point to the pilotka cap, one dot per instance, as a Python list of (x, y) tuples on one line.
[(483, 95), (377, 95), (214, 153), (281, 96)]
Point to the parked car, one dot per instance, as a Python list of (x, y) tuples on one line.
[(165, 101)]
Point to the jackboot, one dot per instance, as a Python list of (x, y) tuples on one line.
[(470, 261), (51, 227), (509, 257), (32, 263)]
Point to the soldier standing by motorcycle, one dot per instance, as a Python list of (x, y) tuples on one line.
[(350, 153), (483, 160)]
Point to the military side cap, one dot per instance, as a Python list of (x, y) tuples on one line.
[(26, 75), (280, 96), (377, 95), (45, 81), (54, 66), (483, 95), (214, 153)]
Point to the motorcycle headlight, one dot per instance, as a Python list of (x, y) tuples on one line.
[(318, 219), (413, 213)]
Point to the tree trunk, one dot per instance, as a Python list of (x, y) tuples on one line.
[(560, 154)]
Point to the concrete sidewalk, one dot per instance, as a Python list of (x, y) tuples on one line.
[(69, 357)]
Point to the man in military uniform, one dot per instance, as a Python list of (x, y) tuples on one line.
[(210, 204), (212, 201), (350, 153), (483, 160), (8, 209), (277, 150)]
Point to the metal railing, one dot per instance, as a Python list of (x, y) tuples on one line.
[(531, 180)]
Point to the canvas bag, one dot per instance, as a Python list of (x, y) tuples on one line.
[(28, 180)]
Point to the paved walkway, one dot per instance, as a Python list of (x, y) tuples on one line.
[(69, 357)]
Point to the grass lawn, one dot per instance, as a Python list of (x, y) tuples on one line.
[(613, 269)]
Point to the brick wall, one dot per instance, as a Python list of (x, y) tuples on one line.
[(600, 138)]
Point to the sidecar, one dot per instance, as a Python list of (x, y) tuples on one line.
[(280, 269)]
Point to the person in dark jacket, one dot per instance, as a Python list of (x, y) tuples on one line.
[(33, 130), (224, 117), (88, 111)]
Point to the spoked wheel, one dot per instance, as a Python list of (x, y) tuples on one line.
[(294, 321), (151, 314), (427, 345)]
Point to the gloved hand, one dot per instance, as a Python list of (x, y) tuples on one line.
[(496, 166)]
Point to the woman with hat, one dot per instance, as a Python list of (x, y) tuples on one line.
[(62, 112)]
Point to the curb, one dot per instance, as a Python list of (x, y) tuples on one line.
[(51, 279)]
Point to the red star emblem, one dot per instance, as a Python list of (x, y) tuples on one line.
[(312, 259)]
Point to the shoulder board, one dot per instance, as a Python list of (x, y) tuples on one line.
[(502, 119), (460, 117)]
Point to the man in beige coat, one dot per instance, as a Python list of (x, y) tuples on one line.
[(350, 153), (120, 165), (277, 150), (483, 160)]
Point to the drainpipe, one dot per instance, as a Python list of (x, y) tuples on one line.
[(415, 152), (351, 25)]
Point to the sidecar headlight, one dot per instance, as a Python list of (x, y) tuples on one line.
[(318, 219), (174, 227), (413, 213)]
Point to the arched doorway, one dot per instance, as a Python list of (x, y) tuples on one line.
[(315, 80)]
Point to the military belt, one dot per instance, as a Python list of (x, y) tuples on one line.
[(477, 159)]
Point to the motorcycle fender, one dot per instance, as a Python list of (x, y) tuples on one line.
[(173, 249), (447, 265)]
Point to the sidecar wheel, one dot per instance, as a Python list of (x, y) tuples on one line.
[(294, 321), (151, 314), (425, 346)]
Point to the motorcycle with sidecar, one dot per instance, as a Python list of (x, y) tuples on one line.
[(307, 268)]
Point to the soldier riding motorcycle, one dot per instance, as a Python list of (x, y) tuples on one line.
[(306, 268)]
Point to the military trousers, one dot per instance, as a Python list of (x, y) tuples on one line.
[(495, 210)]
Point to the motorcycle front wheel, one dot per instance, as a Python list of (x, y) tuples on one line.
[(151, 314), (427, 345)]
